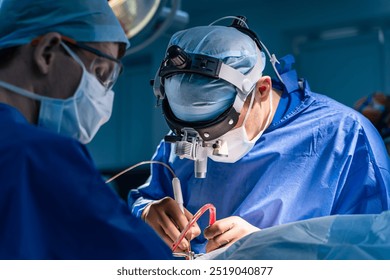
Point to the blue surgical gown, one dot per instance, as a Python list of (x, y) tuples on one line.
[(55, 205), (317, 158)]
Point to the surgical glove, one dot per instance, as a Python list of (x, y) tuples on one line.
[(225, 232), (166, 218)]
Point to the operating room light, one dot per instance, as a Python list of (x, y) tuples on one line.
[(146, 20), (134, 15)]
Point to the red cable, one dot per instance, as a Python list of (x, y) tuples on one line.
[(197, 215)]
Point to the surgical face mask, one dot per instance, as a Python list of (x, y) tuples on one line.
[(79, 116), (237, 140)]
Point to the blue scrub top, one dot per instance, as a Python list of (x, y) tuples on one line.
[(317, 158), (55, 205)]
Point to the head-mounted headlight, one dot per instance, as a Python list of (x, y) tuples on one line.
[(178, 61)]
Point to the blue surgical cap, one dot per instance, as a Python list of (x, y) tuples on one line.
[(84, 21), (193, 97)]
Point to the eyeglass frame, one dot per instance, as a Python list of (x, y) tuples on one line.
[(100, 54), (95, 52)]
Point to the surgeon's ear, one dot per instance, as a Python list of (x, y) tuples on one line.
[(264, 86), (45, 49)]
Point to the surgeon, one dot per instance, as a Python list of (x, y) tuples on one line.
[(263, 151), (59, 62)]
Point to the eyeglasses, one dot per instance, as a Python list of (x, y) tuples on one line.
[(105, 67)]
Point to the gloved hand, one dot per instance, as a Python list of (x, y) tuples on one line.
[(166, 218), (226, 231)]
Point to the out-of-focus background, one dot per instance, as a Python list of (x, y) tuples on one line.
[(341, 47)]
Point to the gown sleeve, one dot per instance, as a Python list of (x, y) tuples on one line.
[(366, 177)]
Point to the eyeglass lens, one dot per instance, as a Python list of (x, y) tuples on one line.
[(105, 70)]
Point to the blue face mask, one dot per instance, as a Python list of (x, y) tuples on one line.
[(79, 116)]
